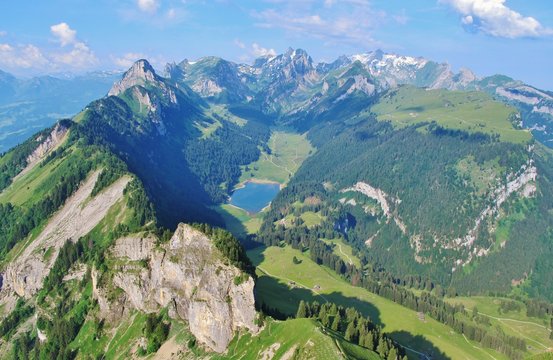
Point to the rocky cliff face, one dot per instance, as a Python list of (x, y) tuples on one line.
[(45, 147), (139, 74), (80, 214), (143, 74), (188, 275)]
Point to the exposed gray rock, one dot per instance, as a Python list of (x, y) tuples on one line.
[(190, 276), (79, 215), (142, 73), (51, 142), (139, 74)]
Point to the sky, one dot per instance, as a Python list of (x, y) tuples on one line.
[(511, 37)]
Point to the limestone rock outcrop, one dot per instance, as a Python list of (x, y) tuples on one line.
[(190, 277)]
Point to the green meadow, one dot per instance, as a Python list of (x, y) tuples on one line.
[(282, 284), (470, 111)]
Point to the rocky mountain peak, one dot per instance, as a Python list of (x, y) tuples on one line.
[(140, 73), (465, 77), (175, 71)]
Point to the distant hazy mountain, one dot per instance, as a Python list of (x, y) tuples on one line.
[(280, 83), (29, 105)]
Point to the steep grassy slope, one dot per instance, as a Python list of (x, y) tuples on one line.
[(282, 284), (431, 188), (298, 339)]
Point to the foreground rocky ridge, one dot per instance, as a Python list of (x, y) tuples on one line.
[(189, 276)]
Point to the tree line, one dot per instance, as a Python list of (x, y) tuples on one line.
[(353, 326)]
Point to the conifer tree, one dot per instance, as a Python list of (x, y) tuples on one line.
[(336, 323), (323, 316), (392, 355), (350, 332), (382, 348), (369, 341), (302, 310)]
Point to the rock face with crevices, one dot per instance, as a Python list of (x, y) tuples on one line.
[(188, 275), (80, 214)]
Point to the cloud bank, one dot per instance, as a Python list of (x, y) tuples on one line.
[(495, 18)]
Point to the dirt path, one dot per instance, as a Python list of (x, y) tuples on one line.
[(343, 253), (503, 320), (414, 351), (476, 347), (514, 320)]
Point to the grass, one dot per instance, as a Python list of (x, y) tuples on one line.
[(344, 251), (482, 177), (223, 112), (303, 338), (114, 345), (470, 111), (206, 128), (401, 323), (28, 187), (516, 323), (238, 221), (311, 218), (85, 341), (288, 151), (125, 337)]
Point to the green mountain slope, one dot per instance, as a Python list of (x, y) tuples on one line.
[(394, 199)]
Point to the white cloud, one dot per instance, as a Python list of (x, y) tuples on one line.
[(258, 51), (3, 33), (22, 57), (149, 6), (153, 12), (64, 33), (171, 13), (71, 54), (128, 59), (239, 43), (495, 18), (80, 57), (334, 21)]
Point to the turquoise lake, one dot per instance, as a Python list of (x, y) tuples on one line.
[(253, 197)]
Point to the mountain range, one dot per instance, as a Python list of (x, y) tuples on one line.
[(405, 188), (29, 105)]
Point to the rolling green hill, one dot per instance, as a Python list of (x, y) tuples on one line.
[(469, 111)]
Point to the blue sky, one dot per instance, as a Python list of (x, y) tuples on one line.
[(512, 37)]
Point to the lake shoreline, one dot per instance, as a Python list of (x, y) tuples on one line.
[(242, 184), (276, 186)]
